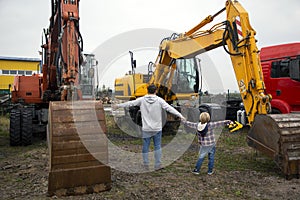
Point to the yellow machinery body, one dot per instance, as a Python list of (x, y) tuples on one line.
[(276, 135)]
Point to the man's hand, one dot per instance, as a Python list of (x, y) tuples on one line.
[(183, 119)]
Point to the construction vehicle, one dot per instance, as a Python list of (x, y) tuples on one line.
[(185, 84), (31, 109), (275, 135), (62, 97)]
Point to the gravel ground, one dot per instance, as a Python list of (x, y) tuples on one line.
[(240, 173)]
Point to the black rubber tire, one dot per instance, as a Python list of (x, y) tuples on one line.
[(26, 124), (15, 127), (275, 111)]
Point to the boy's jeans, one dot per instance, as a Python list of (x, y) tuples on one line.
[(157, 147), (210, 150)]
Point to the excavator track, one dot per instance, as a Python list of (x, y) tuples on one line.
[(78, 148), (278, 136)]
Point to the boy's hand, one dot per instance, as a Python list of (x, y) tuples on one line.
[(229, 122)]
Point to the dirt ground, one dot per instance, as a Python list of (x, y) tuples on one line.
[(240, 173)]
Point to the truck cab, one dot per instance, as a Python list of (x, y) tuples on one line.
[(281, 69)]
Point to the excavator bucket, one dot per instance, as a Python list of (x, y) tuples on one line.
[(78, 148), (278, 136)]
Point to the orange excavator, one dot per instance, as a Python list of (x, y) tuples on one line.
[(60, 99)]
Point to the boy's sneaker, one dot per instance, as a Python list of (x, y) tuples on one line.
[(195, 171), (210, 172)]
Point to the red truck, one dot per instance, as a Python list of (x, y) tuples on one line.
[(281, 70)]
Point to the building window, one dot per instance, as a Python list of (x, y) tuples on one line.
[(6, 72), (21, 72), (16, 72), (13, 71), (28, 72)]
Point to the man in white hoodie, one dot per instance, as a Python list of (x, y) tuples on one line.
[(151, 110)]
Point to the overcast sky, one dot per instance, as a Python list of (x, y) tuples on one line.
[(22, 23)]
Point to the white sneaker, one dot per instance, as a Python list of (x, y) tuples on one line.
[(210, 172), (195, 171)]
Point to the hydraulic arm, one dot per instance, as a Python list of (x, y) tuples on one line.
[(236, 36), (62, 53)]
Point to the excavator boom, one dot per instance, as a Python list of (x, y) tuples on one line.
[(237, 37)]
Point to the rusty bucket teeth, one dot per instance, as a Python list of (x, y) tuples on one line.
[(278, 136), (78, 148)]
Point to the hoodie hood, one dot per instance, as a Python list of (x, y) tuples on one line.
[(150, 98), (201, 127)]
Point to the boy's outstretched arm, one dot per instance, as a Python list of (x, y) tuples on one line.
[(190, 124), (219, 123)]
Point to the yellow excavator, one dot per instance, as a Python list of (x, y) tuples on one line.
[(277, 136), (184, 85)]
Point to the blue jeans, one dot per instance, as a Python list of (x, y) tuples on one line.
[(157, 147), (210, 150)]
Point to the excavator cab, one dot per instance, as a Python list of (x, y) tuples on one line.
[(186, 76), (87, 76)]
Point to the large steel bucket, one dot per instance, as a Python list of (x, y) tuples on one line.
[(78, 148), (278, 136)]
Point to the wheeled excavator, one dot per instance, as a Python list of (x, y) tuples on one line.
[(278, 136), (63, 97)]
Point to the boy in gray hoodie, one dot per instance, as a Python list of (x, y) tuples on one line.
[(151, 110)]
